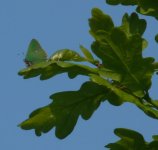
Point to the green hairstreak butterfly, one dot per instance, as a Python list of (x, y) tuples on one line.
[(35, 54)]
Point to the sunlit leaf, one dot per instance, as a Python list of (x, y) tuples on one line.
[(49, 69), (124, 57), (66, 55), (155, 137), (87, 54), (42, 120)]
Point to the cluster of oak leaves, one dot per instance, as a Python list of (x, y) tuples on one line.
[(120, 75)]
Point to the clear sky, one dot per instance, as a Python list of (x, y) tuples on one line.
[(58, 24)]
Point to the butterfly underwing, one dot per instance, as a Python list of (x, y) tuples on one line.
[(35, 54)]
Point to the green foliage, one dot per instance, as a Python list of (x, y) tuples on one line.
[(120, 50), (66, 55), (156, 38), (133, 25), (120, 75), (65, 109), (123, 2), (123, 76), (118, 95), (145, 7), (132, 140), (88, 56), (148, 7), (49, 69)]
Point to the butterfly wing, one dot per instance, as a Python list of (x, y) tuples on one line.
[(35, 53)]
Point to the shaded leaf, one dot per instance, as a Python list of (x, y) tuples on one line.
[(153, 145), (132, 25), (145, 7), (156, 38), (65, 109), (123, 2), (100, 21), (148, 7), (130, 140), (121, 132), (87, 98), (119, 95)]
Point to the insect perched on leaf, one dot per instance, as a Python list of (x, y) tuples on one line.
[(35, 54)]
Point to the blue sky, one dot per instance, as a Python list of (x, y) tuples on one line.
[(58, 24)]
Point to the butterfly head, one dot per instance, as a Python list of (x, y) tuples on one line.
[(28, 63)]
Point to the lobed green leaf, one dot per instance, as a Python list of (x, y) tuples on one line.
[(124, 57), (133, 25), (65, 109), (49, 69), (100, 21), (131, 140), (120, 50), (42, 120)]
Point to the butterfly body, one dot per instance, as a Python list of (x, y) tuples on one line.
[(35, 54)]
